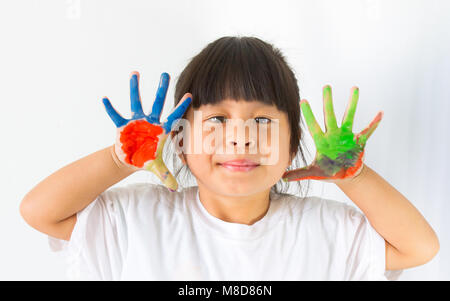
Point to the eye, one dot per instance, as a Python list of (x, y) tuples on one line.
[(220, 118), (264, 120), (260, 120)]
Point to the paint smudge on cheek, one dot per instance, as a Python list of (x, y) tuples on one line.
[(140, 141)]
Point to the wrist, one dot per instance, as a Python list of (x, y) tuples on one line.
[(121, 165), (355, 179)]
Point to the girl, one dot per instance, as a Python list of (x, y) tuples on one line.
[(238, 222)]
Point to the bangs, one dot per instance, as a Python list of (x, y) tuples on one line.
[(239, 69), (245, 69)]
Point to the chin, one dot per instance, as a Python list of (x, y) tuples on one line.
[(233, 187)]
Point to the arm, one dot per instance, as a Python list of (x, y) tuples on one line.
[(410, 240), (51, 206)]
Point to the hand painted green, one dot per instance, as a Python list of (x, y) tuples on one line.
[(337, 147), (339, 152)]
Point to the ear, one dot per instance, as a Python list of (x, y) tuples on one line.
[(173, 135)]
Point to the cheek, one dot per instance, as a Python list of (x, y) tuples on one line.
[(199, 165), (202, 141), (197, 159), (210, 140), (274, 146), (285, 151)]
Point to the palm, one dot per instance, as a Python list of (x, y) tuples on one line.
[(339, 152), (140, 140)]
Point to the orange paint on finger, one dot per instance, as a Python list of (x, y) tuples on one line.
[(140, 141), (305, 178)]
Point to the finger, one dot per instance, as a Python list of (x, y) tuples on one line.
[(159, 168), (312, 172), (364, 135), (330, 117), (349, 115), (160, 98), (136, 105), (177, 113), (116, 117), (313, 126)]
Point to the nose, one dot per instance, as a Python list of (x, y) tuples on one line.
[(242, 140), (247, 144)]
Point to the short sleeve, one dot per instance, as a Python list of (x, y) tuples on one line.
[(98, 242), (367, 252)]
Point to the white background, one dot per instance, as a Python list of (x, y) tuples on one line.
[(59, 58)]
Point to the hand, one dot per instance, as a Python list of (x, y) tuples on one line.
[(339, 153), (140, 140)]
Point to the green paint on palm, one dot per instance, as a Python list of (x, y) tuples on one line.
[(339, 152), (337, 148)]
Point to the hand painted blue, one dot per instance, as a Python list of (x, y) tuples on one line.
[(136, 105)]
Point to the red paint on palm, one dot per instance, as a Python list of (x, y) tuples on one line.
[(139, 142)]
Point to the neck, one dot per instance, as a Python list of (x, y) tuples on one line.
[(244, 209)]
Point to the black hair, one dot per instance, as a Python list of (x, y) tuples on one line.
[(245, 68)]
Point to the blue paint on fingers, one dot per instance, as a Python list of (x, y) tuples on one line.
[(176, 114), (160, 98), (136, 105), (116, 117)]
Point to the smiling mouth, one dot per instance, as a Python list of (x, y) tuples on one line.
[(242, 167)]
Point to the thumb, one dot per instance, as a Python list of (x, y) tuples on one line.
[(159, 168), (309, 172)]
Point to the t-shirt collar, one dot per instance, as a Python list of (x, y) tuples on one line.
[(240, 231)]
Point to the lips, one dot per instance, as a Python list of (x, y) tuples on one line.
[(239, 165), (241, 162)]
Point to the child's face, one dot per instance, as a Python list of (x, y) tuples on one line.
[(265, 141)]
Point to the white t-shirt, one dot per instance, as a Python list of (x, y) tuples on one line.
[(145, 232)]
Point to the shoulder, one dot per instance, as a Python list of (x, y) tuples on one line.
[(335, 222), (327, 212), (339, 234), (140, 194)]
